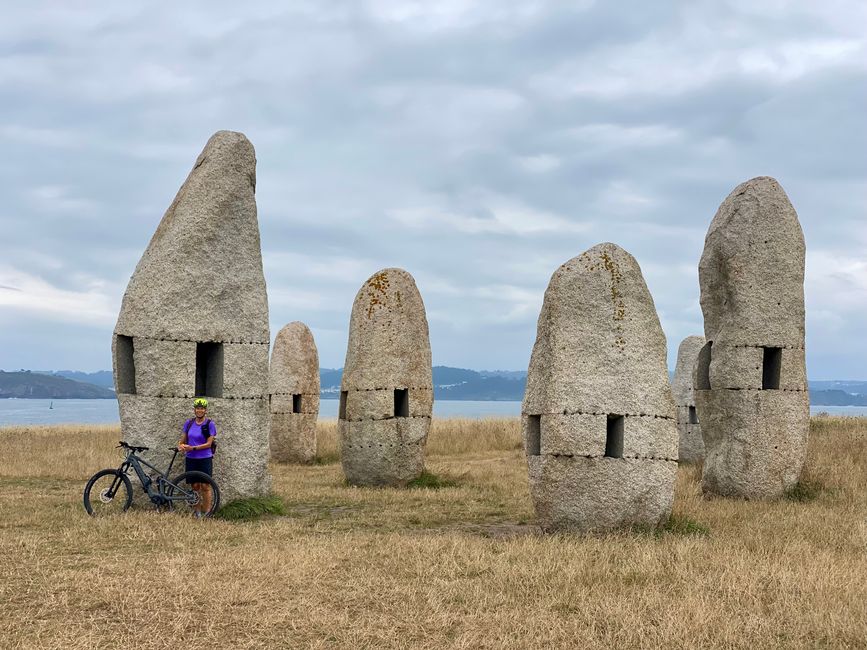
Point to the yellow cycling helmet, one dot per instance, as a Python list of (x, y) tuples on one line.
[(200, 402)]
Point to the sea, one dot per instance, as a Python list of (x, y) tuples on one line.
[(104, 411)]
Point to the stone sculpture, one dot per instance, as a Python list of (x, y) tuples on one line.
[(691, 446), (598, 417), (294, 395), (194, 322), (386, 394), (750, 379)]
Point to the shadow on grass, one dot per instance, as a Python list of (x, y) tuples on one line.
[(252, 509), (426, 481)]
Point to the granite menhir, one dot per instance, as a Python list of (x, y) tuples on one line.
[(194, 322), (598, 415), (294, 395), (751, 379), (691, 447), (386, 394)]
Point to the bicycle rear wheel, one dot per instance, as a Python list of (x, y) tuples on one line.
[(205, 499), (108, 491)]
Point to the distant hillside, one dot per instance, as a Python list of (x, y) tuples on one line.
[(449, 384), (36, 385), (99, 378)]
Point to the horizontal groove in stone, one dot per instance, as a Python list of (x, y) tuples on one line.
[(367, 390), (750, 345), (380, 445), (757, 390), (624, 457), (261, 397), (230, 341), (626, 415), (393, 417), (288, 394), (291, 413)]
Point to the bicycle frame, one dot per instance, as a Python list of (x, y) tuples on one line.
[(161, 479)]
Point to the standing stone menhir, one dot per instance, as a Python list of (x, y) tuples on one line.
[(691, 446), (598, 415), (751, 379), (194, 322), (386, 394), (294, 395)]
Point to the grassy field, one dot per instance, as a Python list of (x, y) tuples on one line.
[(457, 567)]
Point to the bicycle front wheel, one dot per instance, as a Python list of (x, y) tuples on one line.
[(108, 491), (194, 492)]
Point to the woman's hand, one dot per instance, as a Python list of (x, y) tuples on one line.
[(184, 447)]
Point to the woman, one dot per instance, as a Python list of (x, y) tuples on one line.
[(197, 442)]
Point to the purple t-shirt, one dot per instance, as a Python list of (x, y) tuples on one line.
[(195, 437)]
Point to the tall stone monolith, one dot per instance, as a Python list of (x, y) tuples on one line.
[(598, 417), (691, 445), (751, 379), (294, 395), (386, 393), (194, 322)]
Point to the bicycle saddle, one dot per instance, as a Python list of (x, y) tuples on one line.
[(133, 447)]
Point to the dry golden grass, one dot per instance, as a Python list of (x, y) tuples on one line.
[(458, 567)]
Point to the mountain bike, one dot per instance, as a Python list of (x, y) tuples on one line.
[(110, 490)]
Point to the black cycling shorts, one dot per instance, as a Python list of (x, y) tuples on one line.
[(205, 465)]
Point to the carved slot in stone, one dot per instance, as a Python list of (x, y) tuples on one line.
[(296, 403), (341, 411), (772, 361), (702, 371), (614, 436), (124, 349), (209, 369), (693, 416), (534, 435), (401, 403)]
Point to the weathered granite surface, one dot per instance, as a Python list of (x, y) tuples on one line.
[(751, 388), (294, 394), (194, 321), (599, 352), (691, 446), (388, 351)]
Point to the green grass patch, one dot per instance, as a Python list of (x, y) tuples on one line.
[(679, 525), (252, 508), (676, 525), (430, 481), (807, 490)]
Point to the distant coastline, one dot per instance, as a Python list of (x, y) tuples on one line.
[(450, 384)]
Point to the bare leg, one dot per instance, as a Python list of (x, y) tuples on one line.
[(197, 488), (207, 494)]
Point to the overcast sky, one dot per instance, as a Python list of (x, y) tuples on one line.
[(476, 145)]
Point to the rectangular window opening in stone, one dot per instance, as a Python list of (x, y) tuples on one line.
[(124, 349), (693, 416), (702, 367), (401, 402), (534, 435), (296, 403), (341, 411), (772, 362), (209, 369), (614, 436)]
